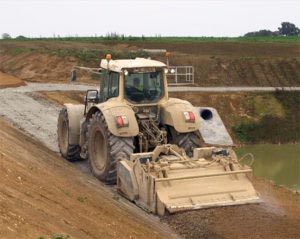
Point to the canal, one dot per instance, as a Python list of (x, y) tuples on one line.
[(279, 163)]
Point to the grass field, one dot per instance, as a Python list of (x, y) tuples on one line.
[(120, 39)]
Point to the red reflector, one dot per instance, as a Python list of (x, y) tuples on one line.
[(192, 116), (119, 120)]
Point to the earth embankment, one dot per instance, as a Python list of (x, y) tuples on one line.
[(215, 63), (41, 195)]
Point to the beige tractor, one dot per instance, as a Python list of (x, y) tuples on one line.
[(135, 136)]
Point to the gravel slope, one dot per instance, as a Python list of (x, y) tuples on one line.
[(36, 117)]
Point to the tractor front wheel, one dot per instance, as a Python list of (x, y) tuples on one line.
[(71, 152)]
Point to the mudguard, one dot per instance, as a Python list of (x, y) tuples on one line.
[(172, 114), (110, 110), (75, 114)]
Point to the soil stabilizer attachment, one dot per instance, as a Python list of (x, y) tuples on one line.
[(167, 179)]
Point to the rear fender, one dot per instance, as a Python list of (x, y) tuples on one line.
[(112, 109), (75, 114), (172, 114)]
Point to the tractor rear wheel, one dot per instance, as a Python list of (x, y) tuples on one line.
[(106, 149), (71, 152), (187, 141)]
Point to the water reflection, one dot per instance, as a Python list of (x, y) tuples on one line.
[(279, 163)]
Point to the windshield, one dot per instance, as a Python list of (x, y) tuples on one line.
[(144, 87)]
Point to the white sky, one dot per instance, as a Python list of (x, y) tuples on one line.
[(149, 17)]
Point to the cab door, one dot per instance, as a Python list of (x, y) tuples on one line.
[(109, 87)]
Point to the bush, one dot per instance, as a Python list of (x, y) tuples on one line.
[(6, 36), (20, 37), (260, 33)]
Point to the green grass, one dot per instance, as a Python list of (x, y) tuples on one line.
[(81, 199), (267, 104), (115, 197), (17, 51), (89, 56), (92, 56), (60, 236), (277, 122), (270, 39)]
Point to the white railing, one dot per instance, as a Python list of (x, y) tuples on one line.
[(182, 75)]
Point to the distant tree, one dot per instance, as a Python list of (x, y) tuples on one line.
[(260, 33), (112, 36), (6, 36), (288, 29), (20, 37)]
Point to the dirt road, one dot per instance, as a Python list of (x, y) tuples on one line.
[(26, 110), (231, 89), (277, 217)]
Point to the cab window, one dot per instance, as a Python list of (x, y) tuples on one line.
[(110, 85), (146, 87), (113, 90)]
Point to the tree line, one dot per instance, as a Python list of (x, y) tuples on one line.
[(286, 29)]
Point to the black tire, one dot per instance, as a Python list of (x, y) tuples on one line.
[(187, 141), (105, 149), (70, 152)]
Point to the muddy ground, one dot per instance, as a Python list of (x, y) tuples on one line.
[(38, 199)]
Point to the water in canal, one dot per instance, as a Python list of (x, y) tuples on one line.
[(279, 163)]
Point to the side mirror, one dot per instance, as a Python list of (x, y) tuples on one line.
[(73, 75), (91, 96)]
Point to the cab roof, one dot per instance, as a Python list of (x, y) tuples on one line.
[(118, 65)]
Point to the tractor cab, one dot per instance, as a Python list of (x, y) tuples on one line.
[(137, 81)]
